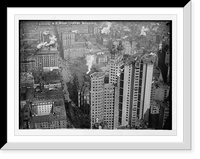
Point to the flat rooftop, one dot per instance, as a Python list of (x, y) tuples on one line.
[(149, 57), (109, 85), (57, 113), (47, 52), (97, 74), (47, 94), (50, 117), (47, 77)]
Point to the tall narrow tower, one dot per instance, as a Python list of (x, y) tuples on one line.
[(144, 94), (115, 58), (97, 97), (135, 88), (109, 100)]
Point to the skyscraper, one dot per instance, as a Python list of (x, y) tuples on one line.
[(109, 100), (97, 97), (125, 89), (145, 75), (135, 88), (115, 58), (128, 91)]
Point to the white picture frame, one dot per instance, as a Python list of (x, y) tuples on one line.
[(180, 138)]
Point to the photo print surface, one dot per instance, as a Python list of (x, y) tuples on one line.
[(95, 74)]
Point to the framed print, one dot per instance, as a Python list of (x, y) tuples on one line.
[(99, 78)]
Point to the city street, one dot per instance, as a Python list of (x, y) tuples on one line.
[(65, 73)]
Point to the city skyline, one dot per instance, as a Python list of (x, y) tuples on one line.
[(95, 75)]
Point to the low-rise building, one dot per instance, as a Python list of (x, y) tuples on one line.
[(46, 59), (163, 114), (26, 79), (27, 63), (75, 51), (50, 80), (48, 110), (158, 114), (159, 90)]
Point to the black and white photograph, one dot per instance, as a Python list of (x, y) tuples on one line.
[(97, 78), (96, 74)]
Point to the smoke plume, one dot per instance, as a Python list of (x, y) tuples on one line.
[(106, 29), (52, 38), (90, 61), (42, 44)]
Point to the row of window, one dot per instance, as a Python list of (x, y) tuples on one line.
[(110, 103), (54, 124), (100, 99), (98, 93), (97, 90), (43, 105), (43, 111), (109, 112), (99, 105)]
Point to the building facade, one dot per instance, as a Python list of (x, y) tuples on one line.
[(159, 91), (48, 111), (109, 101), (45, 59), (128, 92), (68, 39), (163, 114), (97, 97), (115, 63), (26, 79), (84, 98), (75, 52), (146, 76), (42, 107), (127, 47), (135, 89), (27, 64), (158, 114)]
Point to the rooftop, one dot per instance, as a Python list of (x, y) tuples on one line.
[(46, 51), (161, 103), (51, 117), (57, 112), (29, 93), (159, 83), (51, 76), (109, 85), (146, 57), (149, 57), (47, 94), (97, 74), (47, 77), (26, 77)]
